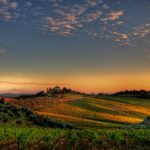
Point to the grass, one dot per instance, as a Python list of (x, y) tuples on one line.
[(101, 123), (47, 138), (110, 139), (27, 135)]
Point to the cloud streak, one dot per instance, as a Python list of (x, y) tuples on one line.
[(30, 83), (114, 15)]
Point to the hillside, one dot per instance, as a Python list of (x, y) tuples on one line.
[(23, 129), (87, 111)]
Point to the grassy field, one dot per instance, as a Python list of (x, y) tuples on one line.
[(101, 123), (37, 138), (28, 137), (85, 111), (109, 139)]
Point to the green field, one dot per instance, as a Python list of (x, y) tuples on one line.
[(33, 138), (98, 123), (27, 137)]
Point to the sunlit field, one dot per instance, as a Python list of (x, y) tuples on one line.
[(90, 111), (74, 121)]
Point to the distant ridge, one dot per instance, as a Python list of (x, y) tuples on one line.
[(11, 94)]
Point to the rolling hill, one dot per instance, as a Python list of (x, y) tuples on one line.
[(88, 111), (101, 122)]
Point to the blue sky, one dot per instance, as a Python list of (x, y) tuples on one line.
[(56, 40)]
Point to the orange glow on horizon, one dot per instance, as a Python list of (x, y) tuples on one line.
[(91, 83)]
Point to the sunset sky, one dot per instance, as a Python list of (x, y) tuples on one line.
[(87, 45)]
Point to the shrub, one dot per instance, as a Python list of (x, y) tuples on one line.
[(146, 121), (1, 109), (29, 112), (10, 114), (48, 122), (2, 101), (13, 109), (19, 121), (148, 118), (32, 117), (24, 109), (5, 110), (1, 117), (5, 118), (18, 114)]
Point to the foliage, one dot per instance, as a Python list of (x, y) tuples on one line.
[(39, 94), (48, 122), (120, 139), (19, 121), (110, 139), (134, 93), (29, 137)]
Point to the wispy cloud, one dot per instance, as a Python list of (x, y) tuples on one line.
[(6, 3), (114, 15), (74, 18), (142, 31), (121, 36), (93, 3), (7, 10), (31, 83), (69, 19), (28, 4), (18, 74), (63, 26), (97, 18), (94, 16)]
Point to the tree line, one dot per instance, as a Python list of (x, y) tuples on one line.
[(133, 93)]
